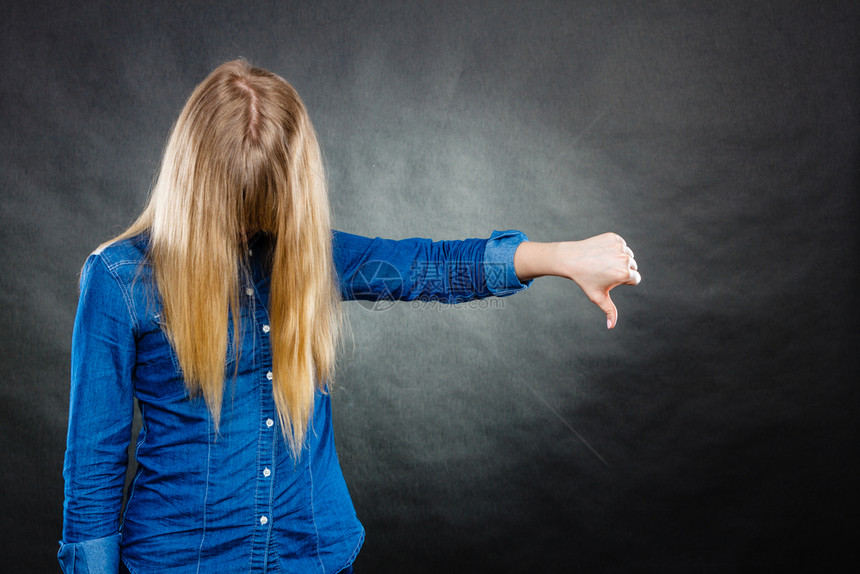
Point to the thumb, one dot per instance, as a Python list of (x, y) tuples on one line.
[(609, 308)]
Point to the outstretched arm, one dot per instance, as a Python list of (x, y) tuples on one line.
[(597, 265), (409, 269)]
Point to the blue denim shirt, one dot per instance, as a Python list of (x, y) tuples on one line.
[(236, 500)]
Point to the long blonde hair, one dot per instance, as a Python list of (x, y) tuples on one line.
[(243, 158)]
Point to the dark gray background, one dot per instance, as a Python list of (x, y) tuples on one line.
[(714, 430)]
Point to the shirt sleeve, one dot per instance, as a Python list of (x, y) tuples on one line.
[(410, 269), (97, 556), (100, 416), (499, 270)]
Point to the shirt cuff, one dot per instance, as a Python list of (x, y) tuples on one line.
[(96, 556), (499, 271)]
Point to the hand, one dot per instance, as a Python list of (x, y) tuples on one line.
[(597, 265)]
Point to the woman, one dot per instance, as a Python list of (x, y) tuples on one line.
[(218, 309)]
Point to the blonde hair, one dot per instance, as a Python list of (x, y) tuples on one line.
[(243, 158)]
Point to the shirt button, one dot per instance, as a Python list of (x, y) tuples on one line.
[(266, 472), (249, 291), (269, 375), (266, 328), (250, 252), (263, 520), (269, 422)]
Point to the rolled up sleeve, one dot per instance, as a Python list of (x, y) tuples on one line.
[(499, 271), (97, 556)]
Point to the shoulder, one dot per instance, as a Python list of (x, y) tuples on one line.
[(131, 250), (118, 273), (124, 259)]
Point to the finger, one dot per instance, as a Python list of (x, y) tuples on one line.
[(608, 307), (628, 251), (635, 277)]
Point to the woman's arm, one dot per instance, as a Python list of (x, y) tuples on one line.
[(409, 269), (597, 265), (100, 416)]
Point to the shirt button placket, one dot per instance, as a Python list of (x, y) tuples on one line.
[(266, 513), (267, 472), (267, 445)]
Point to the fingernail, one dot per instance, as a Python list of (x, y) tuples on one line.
[(609, 323)]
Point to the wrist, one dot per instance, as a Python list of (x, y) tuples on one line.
[(533, 259)]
